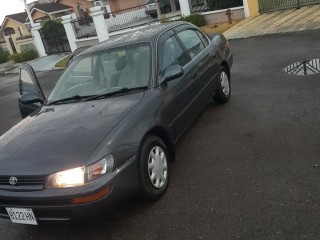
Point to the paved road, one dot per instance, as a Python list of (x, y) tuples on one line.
[(244, 170)]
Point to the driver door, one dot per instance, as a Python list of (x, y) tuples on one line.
[(31, 95)]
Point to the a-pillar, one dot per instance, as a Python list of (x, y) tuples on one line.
[(185, 8), (101, 26), (38, 40), (66, 21)]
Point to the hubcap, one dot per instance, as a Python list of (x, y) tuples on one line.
[(225, 83), (157, 167)]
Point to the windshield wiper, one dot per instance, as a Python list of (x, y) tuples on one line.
[(76, 97), (120, 91)]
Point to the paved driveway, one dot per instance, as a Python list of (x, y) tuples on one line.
[(245, 170), (306, 18)]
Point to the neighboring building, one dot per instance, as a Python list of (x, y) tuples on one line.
[(120, 5), (49, 10), (16, 32), (79, 7), (16, 27)]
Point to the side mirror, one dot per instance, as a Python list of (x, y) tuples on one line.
[(171, 73), (30, 98)]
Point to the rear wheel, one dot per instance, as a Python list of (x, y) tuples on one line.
[(224, 90), (154, 15), (154, 168)]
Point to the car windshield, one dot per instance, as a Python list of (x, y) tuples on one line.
[(149, 1), (105, 72)]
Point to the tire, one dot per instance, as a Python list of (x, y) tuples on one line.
[(152, 190), (154, 15), (224, 90)]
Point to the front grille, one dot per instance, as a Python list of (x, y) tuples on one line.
[(28, 182)]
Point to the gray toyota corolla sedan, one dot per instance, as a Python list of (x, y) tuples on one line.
[(108, 129)]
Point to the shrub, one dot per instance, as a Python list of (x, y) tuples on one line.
[(3, 55), (26, 55), (16, 57), (29, 54), (164, 19), (195, 19)]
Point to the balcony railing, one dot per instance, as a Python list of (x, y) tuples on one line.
[(24, 37)]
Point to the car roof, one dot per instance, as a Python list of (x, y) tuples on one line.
[(144, 34)]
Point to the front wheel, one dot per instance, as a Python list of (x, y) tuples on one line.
[(224, 90), (154, 168)]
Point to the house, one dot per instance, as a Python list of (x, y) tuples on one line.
[(79, 7), (16, 32), (120, 5), (49, 10), (16, 28)]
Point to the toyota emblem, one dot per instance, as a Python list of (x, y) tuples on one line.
[(13, 180)]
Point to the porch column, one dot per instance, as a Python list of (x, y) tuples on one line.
[(185, 8), (66, 21), (6, 38), (100, 23), (37, 39), (246, 8)]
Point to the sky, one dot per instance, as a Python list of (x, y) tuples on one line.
[(8, 7)]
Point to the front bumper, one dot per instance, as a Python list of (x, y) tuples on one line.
[(57, 205), (151, 11)]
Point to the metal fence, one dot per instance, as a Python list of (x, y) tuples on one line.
[(129, 17), (84, 28), (24, 37), (213, 5), (142, 15), (276, 5), (137, 15)]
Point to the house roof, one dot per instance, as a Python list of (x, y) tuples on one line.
[(19, 17), (51, 7)]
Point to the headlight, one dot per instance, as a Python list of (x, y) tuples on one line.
[(80, 176), (70, 178)]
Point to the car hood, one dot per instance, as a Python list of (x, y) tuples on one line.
[(61, 137)]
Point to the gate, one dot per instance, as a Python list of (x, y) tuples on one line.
[(275, 5), (54, 37)]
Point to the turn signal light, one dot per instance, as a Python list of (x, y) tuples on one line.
[(93, 197)]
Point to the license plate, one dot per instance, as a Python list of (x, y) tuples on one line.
[(22, 216)]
